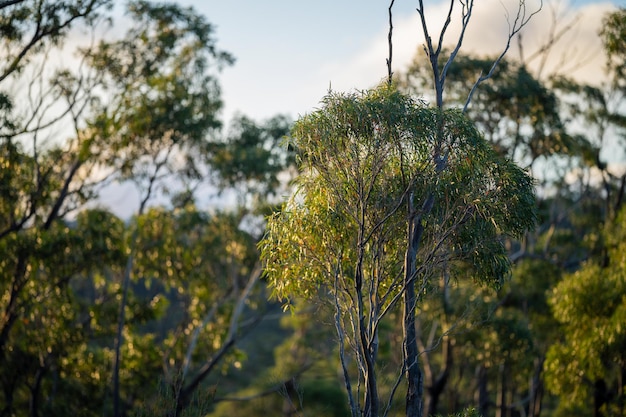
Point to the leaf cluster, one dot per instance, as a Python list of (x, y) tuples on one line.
[(364, 159), (590, 305), (165, 96)]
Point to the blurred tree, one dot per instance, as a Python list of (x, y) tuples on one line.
[(205, 269), (164, 103), (251, 157), (141, 108), (586, 367)]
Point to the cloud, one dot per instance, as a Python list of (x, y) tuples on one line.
[(577, 52)]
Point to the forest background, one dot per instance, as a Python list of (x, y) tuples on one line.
[(167, 311)]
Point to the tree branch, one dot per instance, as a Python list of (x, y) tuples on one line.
[(389, 40), (521, 20)]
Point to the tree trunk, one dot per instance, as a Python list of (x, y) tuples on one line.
[(413, 373), (415, 383), (600, 396), (438, 385), (536, 389), (501, 395), (481, 396)]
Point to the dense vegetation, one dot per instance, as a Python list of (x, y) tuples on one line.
[(414, 236)]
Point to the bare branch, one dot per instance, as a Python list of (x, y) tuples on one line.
[(342, 356), (466, 16), (389, 40), (231, 337), (8, 3), (521, 20), (445, 27), (429, 43)]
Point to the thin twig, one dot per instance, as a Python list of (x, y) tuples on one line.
[(521, 20)]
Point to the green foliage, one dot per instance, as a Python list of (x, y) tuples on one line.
[(29, 27), (362, 157), (165, 96), (53, 333), (613, 35), (251, 156), (516, 112), (590, 305)]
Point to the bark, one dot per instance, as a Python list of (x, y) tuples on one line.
[(600, 396), (438, 385), (415, 382), (371, 403), (481, 396), (536, 389), (414, 378), (502, 408)]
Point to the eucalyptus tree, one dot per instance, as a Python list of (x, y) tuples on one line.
[(386, 179), (367, 173)]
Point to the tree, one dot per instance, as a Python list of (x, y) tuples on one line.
[(362, 178), (140, 108), (586, 368), (35, 193), (164, 105), (205, 268), (367, 173), (438, 71)]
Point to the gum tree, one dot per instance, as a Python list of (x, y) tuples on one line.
[(392, 196), (380, 211)]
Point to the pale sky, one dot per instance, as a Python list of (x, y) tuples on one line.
[(290, 52)]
